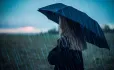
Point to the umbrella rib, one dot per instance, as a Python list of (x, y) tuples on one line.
[(62, 8)]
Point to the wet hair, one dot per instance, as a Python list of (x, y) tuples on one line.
[(73, 30)]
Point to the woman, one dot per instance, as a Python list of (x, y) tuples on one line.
[(67, 54)]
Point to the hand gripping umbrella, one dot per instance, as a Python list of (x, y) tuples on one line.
[(92, 32)]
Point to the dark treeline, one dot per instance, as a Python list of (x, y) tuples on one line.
[(108, 29), (53, 31)]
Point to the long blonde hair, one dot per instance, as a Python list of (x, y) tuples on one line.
[(77, 43)]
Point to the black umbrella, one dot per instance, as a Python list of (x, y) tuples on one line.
[(90, 28)]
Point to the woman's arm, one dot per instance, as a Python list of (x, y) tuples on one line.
[(56, 55)]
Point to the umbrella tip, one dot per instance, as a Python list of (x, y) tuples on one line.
[(38, 10)]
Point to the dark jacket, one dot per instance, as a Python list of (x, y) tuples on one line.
[(63, 58)]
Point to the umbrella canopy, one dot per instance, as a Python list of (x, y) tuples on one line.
[(91, 30)]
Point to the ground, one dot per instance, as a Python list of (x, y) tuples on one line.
[(29, 52)]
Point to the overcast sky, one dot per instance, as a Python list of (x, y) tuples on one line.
[(22, 13)]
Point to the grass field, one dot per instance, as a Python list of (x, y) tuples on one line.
[(29, 52)]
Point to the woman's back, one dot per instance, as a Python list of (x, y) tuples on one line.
[(64, 58)]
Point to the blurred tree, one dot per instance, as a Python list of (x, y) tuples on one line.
[(107, 28), (53, 31)]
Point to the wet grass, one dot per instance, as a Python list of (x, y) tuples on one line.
[(29, 52)]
